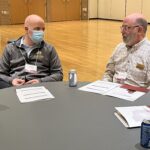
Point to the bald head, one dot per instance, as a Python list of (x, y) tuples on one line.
[(32, 20), (135, 16), (137, 19)]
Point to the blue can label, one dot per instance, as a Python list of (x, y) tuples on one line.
[(145, 134)]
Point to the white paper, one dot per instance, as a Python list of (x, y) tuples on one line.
[(111, 89), (125, 94), (133, 116), (100, 87), (31, 94)]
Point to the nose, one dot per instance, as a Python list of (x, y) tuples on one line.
[(122, 30)]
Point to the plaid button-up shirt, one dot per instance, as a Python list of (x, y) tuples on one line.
[(130, 65)]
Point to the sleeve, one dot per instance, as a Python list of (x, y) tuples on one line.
[(148, 73), (5, 65), (56, 71), (110, 67), (110, 70)]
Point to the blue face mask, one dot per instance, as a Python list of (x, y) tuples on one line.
[(37, 36)]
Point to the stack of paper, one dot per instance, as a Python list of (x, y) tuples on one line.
[(30, 94), (112, 89), (132, 116)]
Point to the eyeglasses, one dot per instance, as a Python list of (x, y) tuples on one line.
[(127, 28)]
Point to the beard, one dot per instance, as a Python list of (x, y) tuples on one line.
[(128, 39)]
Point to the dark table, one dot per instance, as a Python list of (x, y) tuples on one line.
[(74, 120)]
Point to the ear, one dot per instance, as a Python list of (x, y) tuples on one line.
[(140, 29), (26, 28)]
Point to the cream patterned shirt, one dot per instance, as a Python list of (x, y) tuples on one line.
[(130, 65)]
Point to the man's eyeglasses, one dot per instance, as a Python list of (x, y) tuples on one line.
[(127, 28)]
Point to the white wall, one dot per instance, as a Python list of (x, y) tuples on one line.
[(92, 6), (117, 9)]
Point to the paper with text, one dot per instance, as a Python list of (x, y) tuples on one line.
[(112, 89), (125, 94), (100, 87), (31, 94)]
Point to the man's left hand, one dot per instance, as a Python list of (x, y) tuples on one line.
[(34, 81)]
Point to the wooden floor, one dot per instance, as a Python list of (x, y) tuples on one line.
[(83, 45)]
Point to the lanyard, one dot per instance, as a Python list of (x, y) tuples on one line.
[(37, 55)]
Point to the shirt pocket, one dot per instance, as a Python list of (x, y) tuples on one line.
[(138, 72)]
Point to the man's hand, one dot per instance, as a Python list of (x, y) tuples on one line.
[(34, 81), (17, 82)]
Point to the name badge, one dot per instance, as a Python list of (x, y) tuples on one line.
[(121, 77), (30, 68)]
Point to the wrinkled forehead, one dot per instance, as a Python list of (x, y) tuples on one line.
[(129, 21)]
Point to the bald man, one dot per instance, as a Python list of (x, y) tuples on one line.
[(30, 59), (130, 62)]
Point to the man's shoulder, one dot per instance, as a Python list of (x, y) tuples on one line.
[(14, 42), (46, 44), (146, 43), (49, 49), (144, 46), (120, 47)]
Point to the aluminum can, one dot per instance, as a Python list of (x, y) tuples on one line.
[(72, 78), (145, 133)]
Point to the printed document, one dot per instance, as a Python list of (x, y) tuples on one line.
[(132, 116), (112, 89), (125, 94), (31, 94), (100, 87)]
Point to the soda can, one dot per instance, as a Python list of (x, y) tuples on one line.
[(145, 133), (72, 78)]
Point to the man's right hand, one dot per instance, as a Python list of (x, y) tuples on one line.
[(17, 82)]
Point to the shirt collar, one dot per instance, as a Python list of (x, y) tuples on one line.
[(22, 45), (136, 46), (21, 42)]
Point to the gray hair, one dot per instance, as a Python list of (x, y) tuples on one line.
[(142, 22)]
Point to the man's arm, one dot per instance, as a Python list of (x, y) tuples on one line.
[(148, 74), (111, 65), (5, 66), (110, 71), (56, 72)]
